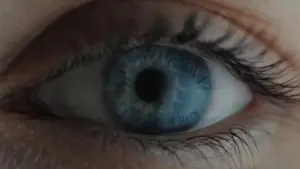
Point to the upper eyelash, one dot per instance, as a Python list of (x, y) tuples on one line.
[(260, 79)]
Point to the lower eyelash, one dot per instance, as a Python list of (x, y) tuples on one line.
[(230, 145)]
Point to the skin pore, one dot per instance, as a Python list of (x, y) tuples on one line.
[(37, 144)]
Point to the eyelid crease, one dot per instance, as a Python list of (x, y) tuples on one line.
[(247, 21), (222, 8)]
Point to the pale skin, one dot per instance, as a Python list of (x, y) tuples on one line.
[(37, 145)]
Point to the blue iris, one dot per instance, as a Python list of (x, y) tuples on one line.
[(157, 89)]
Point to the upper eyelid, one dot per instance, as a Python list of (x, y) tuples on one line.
[(211, 7), (259, 27), (242, 18), (269, 39)]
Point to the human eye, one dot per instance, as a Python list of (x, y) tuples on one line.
[(195, 87)]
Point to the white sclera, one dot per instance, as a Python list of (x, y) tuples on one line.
[(79, 93), (229, 96)]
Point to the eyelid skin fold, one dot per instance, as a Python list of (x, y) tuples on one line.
[(257, 26), (20, 24), (20, 74)]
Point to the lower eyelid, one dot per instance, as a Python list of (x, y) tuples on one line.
[(174, 148), (124, 147)]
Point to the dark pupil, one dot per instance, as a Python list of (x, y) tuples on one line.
[(150, 84)]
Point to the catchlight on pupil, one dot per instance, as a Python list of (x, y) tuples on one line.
[(157, 89)]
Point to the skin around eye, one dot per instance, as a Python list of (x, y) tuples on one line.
[(56, 143), (32, 21)]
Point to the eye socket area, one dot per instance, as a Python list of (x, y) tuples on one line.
[(66, 112), (223, 126)]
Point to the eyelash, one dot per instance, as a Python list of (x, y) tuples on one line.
[(216, 143), (262, 80)]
